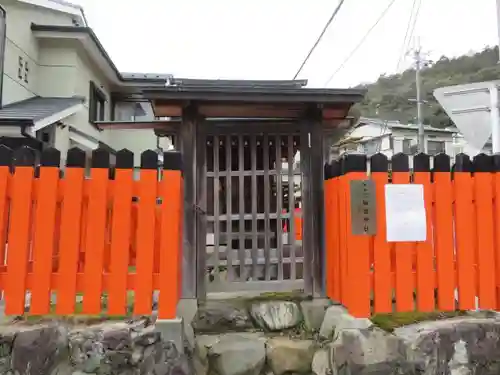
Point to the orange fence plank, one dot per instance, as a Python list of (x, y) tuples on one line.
[(133, 234), (358, 262), (465, 240), (145, 241), (404, 251), (425, 252), (443, 237), (120, 241), (57, 279), (382, 285), (69, 242), (4, 210), (330, 237), (171, 216), (180, 244), (45, 217), (335, 230), (496, 192), (72, 235), (94, 240), (483, 194), (18, 240), (343, 184), (156, 262)]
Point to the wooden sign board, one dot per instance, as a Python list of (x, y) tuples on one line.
[(363, 207)]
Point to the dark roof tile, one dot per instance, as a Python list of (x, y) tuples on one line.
[(37, 108)]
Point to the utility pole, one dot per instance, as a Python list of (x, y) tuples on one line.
[(420, 62), (418, 83)]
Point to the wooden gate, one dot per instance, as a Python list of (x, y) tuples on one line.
[(253, 198)]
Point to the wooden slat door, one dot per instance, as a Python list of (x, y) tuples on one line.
[(253, 193)]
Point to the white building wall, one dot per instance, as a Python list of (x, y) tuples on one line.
[(385, 144), (369, 131), (21, 43), (58, 68), (137, 141), (399, 135)]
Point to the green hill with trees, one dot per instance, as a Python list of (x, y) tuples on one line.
[(389, 98)]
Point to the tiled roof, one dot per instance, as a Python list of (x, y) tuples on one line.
[(37, 108)]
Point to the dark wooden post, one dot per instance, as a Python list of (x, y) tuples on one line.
[(311, 159), (188, 142), (200, 248)]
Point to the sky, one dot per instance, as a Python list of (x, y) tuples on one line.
[(268, 39)]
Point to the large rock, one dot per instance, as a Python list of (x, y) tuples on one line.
[(169, 361), (337, 318), (204, 343), (285, 355), (321, 362), (218, 317), (368, 351), (314, 312), (38, 350), (237, 355), (276, 315), (200, 356), (458, 346), (7, 336)]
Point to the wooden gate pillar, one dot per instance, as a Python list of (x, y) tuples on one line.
[(312, 167), (188, 143)]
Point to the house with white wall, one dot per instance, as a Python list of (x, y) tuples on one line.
[(59, 85), (370, 136)]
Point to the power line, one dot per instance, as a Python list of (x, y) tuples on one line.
[(341, 2), (415, 19), (402, 53), (382, 15)]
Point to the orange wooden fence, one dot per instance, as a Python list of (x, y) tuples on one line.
[(461, 256), (101, 235)]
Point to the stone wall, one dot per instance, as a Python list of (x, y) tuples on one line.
[(314, 337), (118, 348), (253, 338)]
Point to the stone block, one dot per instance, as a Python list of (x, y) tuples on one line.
[(314, 312), (321, 362), (38, 350), (337, 318), (286, 355), (171, 330), (276, 315), (221, 316), (237, 355), (458, 346), (372, 351)]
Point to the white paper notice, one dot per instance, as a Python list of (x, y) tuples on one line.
[(405, 213)]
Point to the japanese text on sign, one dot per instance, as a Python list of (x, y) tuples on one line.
[(363, 207)]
